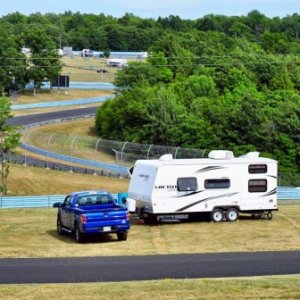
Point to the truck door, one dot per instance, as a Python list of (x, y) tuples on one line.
[(66, 212)]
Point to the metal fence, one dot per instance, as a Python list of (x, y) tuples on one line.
[(94, 151)]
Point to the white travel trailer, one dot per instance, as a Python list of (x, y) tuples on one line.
[(221, 185)]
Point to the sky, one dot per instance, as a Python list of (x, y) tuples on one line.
[(185, 9)]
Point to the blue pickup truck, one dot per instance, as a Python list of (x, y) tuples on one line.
[(89, 212)]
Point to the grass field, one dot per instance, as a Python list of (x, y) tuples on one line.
[(32, 233)]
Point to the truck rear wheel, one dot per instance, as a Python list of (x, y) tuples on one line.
[(217, 215), (232, 215), (122, 236), (79, 236)]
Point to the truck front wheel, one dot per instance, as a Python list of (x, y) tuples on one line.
[(59, 226), (79, 236), (122, 236)]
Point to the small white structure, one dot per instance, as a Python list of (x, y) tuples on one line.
[(87, 53), (117, 62), (143, 55), (221, 185)]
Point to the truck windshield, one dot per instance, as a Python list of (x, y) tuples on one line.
[(97, 199)]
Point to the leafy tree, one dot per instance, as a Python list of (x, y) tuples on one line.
[(12, 62), (44, 62)]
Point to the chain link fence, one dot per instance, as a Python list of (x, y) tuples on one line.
[(102, 150)]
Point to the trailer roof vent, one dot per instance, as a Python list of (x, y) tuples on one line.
[(220, 154), (166, 157), (253, 154)]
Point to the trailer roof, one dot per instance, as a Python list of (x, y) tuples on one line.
[(197, 161)]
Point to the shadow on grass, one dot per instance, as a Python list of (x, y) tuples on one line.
[(193, 218), (69, 238)]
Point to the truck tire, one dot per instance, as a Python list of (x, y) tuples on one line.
[(217, 215), (122, 236), (232, 214), (79, 236), (59, 226)]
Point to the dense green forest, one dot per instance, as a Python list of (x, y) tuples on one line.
[(216, 82)]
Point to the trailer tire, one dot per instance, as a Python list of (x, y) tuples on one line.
[(232, 214), (217, 215), (79, 236), (269, 215), (256, 214)]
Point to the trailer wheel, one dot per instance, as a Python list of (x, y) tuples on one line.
[(269, 215), (232, 215), (217, 215), (256, 214)]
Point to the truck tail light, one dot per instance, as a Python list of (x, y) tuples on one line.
[(128, 216), (83, 219)]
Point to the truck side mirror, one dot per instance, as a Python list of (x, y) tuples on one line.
[(57, 204)]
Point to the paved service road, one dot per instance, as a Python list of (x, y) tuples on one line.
[(98, 269)]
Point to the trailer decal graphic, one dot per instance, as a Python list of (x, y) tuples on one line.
[(209, 168), (274, 191), (189, 194), (204, 200)]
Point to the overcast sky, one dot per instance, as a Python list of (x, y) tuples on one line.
[(186, 9)]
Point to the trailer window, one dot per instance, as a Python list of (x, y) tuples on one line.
[(223, 183), (255, 169), (187, 184), (257, 185)]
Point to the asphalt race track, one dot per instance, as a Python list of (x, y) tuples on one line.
[(36, 118), (101, 269)]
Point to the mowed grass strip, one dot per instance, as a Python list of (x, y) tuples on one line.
[(270, 287), (32, 233)]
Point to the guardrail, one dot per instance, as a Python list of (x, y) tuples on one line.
[(94, 164), (284, 193), (41, 201), (61, 103)]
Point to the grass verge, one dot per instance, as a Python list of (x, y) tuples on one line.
[(270, 287)]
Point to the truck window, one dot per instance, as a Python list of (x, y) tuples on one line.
[(257, 185), (94, 199), (187, 184), (67, 201), (223, 183), (257, 168)]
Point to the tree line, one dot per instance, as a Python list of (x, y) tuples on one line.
[(212, 90), (216, 82)]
